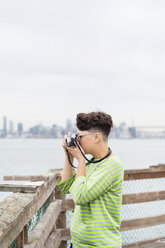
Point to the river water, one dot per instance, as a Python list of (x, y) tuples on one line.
[(36, 156)]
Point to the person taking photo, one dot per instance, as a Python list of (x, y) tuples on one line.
[(96, 187)]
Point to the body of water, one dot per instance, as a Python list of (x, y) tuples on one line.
[(36, 156)]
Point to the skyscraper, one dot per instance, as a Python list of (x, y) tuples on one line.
[(11, 127), (68, 124), (4, 126), (20, 128)]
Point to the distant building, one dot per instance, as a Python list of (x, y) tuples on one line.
[(11, 127), (56, 131), (20, 128), (53, 130), (4, 126), (36, 130), (40, 131), (132, 131), (115, 132), (68, 124)]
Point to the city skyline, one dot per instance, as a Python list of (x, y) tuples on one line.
[(121, 131), (11, 125)]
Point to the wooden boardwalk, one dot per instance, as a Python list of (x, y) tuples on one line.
[(51, 232)]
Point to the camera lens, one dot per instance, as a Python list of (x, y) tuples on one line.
[(70, 141)]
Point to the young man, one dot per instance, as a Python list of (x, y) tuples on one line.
[(96, 188)]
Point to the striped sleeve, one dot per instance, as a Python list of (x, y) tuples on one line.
[(65, 186), (85, 190)]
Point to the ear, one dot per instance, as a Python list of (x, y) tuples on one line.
[(98, 137)]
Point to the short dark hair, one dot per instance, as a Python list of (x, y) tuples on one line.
[(95, 120)]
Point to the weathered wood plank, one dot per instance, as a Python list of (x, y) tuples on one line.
[(142, 222), (13, 217), (157, 166), (67, 204), (54, 240), (150, 243), (65, 234), (42, 230), (20, 240), (25, 234), (61, 221), (153, 172), (12, 230), (144, 174), (43, 194), (143, 197), (23, 188), (25, 178)]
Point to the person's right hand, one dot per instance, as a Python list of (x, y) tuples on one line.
[(65, 148)]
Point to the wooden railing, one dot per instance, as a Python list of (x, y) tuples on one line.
[(50, 232), (17, 210)]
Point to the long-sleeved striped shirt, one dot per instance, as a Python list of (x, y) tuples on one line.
[(98, 198)]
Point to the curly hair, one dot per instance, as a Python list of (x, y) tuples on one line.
[(95, 121)]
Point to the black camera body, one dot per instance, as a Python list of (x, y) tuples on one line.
[(70, 140)]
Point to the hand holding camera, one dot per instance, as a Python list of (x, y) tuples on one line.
[(65, 147), (72, 147)]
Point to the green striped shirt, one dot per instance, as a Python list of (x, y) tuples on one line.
[(98, 198)]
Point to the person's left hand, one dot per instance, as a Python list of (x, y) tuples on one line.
[(75, 151)]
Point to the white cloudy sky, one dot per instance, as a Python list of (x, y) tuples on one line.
[(58, 58)]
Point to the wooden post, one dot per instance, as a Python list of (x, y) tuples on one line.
[(52, 196), (61, 221), (26, 234), (20, 240)]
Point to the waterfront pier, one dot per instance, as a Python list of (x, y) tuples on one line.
[(34, 215)]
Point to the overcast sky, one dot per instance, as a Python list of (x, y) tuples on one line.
[(59, 58)]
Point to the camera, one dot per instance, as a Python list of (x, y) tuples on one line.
[(70, 140)]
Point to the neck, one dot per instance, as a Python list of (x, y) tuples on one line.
[(101, 151)]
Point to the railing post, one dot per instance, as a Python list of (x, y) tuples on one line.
[(52, 196), (20, 240), (61, 221), (26, 234)]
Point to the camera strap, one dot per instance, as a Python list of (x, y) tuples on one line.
[(97, 161), (92, 159)]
